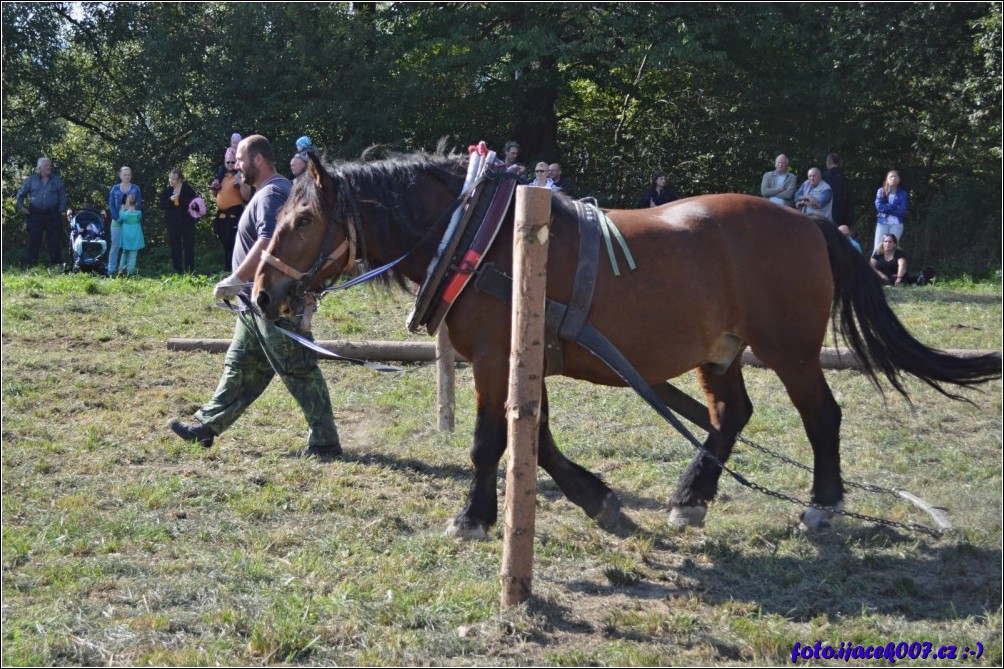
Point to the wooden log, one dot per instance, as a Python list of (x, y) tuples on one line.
[(446, 370), (526, 380), (382, 351), (424, 351)]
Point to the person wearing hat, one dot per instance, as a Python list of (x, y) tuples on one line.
[(230, 200), (304, 144)]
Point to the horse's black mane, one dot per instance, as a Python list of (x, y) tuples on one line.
[(398, 213)]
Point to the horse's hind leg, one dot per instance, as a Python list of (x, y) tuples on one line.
[(729, 408), (581, 486), (821, 417)]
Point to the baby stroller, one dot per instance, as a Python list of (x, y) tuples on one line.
[(87, 240)]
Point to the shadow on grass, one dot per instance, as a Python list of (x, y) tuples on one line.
[(864, 570), (398, 464)]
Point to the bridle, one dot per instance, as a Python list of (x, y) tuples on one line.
[(350, 245), (348, 248)]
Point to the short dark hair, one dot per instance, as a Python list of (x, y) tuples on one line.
[(258, 145), (509, 145), (833, 159)]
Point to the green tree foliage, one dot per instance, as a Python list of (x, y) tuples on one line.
[(709, 93)]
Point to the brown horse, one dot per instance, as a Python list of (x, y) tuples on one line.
[(714, 274)]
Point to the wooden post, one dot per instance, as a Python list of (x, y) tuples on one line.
[(446, 366), (526, 377)]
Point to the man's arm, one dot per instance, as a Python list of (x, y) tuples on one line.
[(788, 192), (246, 270), (21, 192)]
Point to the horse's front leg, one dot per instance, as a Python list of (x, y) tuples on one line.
[(481, 508)]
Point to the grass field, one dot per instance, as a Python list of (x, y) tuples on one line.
[(124, 546)]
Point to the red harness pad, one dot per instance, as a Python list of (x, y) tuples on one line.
[(445, 283)]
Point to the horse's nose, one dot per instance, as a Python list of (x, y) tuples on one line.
[(262, 299)]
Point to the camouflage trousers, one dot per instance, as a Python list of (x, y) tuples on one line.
[(257, 353)]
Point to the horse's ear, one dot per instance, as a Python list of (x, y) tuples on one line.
[(317, 171)]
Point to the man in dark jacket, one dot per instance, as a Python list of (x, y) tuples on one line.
[(843, 201)]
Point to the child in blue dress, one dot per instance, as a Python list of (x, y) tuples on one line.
[(131, 219)]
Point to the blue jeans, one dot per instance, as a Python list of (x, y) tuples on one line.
[(883, 229), (113, 253)]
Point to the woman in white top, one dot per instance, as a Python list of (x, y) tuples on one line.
[(541, 180)]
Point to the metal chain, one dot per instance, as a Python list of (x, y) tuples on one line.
[(915, 527), (869, 487)]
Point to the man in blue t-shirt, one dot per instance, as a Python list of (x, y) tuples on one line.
[(259, 350)]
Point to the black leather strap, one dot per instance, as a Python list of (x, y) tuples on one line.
[(662, 397), (585, 274)]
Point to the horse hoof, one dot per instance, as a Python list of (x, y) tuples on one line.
[(464, 530), (814, 520), (609, 517), (687, 516)]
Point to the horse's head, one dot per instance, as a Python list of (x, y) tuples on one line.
[(313, 243)]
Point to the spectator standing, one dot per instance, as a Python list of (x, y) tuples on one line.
[(117, 196), (259, 350), (890, 203), (814, 196), (657, 194), (564, 185), (42, 199), (230, 199), (175, 200), (131, 219), (779, 184), (843, 200)]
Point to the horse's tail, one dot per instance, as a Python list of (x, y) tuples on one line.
[(871, 329)]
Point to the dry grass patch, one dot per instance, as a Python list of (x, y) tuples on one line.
[(123, 546)]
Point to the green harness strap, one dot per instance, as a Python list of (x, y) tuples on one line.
[(608, 227)]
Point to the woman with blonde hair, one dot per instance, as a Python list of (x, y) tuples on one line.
[(889, 262)]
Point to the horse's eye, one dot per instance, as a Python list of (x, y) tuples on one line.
[(301, 222)]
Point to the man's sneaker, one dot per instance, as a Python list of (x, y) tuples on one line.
[(324, 450), (193, 432)]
